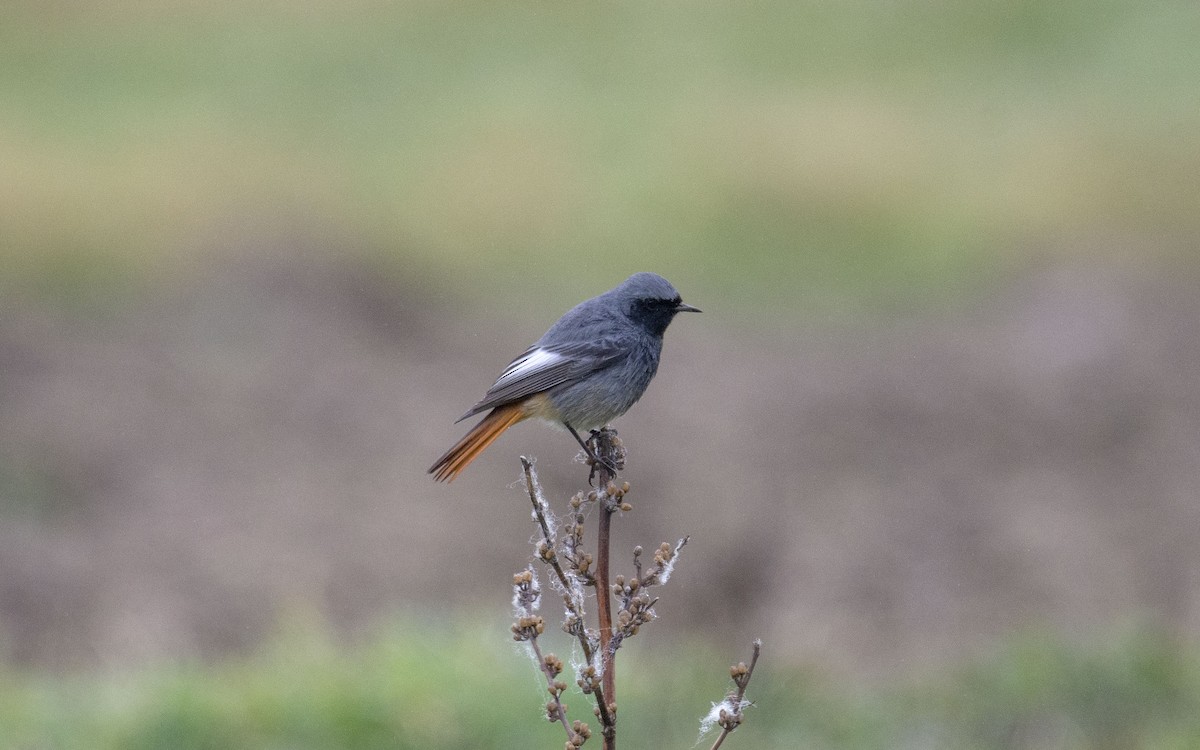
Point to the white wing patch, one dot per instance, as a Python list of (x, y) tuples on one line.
[(538, 359)]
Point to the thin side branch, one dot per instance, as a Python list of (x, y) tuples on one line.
[(550, 557), (539, 511), (730, 718), (551, 667)]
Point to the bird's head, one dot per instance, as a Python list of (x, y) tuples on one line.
[(651, 301)]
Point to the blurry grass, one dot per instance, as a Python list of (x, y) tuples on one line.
[(422, 686), (807, 152)]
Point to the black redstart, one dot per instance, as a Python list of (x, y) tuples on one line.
[(588, 369)]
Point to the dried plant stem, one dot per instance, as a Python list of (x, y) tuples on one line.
[(562, 712), (606, 718), (605, 451), (547, 535), (561, 549), (742, 680), (604, 597), (720, 739), (745, 681)]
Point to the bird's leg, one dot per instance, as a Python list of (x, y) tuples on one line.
[(596, 460)]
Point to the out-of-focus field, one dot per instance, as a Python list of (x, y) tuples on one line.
[(936, 437), (773, 153), (419, 686)]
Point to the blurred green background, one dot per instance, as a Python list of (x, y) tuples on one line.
[(935, 437)]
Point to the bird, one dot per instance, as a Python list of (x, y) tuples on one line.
[(589, 368)]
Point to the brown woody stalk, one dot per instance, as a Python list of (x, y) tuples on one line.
[(607, 456), (603, 591)]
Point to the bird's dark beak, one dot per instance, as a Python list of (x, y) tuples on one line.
[(686, 308)]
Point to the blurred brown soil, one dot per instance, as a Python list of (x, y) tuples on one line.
[(179, 474)]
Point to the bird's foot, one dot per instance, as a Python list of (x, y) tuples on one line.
[(605, 454), (603, 451)]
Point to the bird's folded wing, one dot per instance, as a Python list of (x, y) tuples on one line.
[(541, 368)]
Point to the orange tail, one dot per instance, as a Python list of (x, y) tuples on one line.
[(451, 464)]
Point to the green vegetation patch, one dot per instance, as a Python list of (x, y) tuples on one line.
[(421, 686)]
